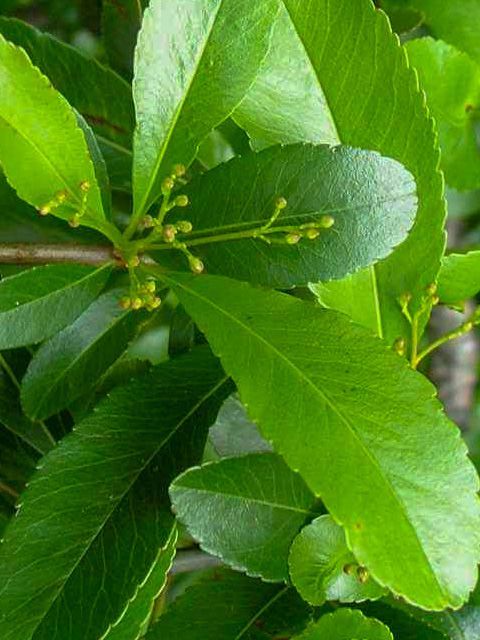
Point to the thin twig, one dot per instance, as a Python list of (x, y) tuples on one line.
[(94, 255)]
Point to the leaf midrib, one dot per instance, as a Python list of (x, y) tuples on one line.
[(326, 399), (172, 433)]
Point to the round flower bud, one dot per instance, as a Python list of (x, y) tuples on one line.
[(133, 262), (179, 170), (196, 265), (137, 303), (74, 222), (148, 222), (432, 289), (293, 238), (326, 222), (85, 185), (281, 203), (169, 232), (182, 201), (150, 286), (44, 211), (468, 326), (154, 304), (125, 303), (184, 226), (350, 569), (312, 234), (362, 574), (167, 185)]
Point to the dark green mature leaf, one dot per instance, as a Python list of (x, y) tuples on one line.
[(386, 479), (37, 303), (371, 96), (11, 416), (245, 510), (451, 81), (323, 568), (102, 97), (121, 22), (71, 363), (403, 624), (231, 606), (233, 433), (134, 620), (455, 22), (459, 277), (43, 152), (346, 624), (97, 511), (371, 198), (191, 59)]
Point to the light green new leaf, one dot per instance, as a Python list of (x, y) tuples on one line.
[(362, 94), (455, 22), (459, 277), (71, 362), (372, 200), (134, 620), (97, 511), (245, 510), (451, 81), (323, 568), (193, 64), (121, 22), (374, 443), (37, 303), (346, 624), (102, 97), (230, 606), (43, 151)]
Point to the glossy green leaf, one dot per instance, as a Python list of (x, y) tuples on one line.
[(11, 416), (103, 99), (323, 568), (40, 137), (233, 433), (230, 606), (346, 624), (395, 465), (372, 200), (191, 59), (455, 22), (245, 510), (97, 511), (71, 362), (346, 48), (403, 624), (451, 81), (459, 277), (135, 618), (121, 22), (37, 303)]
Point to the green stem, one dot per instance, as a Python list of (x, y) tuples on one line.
[(414, 348), (451, 335)]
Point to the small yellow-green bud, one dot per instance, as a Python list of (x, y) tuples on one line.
[(468, 326), (281, 203), (362, 574), (167, 185), (399, 346), (85, 186), (350, 569), (154, 304), (312, 234), (326, 222), (150, 286), (435, 300), (179, 170), (133, 262), (148, 222), (182, 201), (61, 196), (184, 226), (137, 303), (293, 238), (125, 303), (196, 265), (431, 289), (45, 210), (74, 222), (169, 232), (405, 298)]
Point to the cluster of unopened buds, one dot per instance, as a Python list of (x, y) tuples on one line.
[(143, 297), (62, 198), (357, 571)]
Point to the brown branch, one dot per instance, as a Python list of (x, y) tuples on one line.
[(95, 255)]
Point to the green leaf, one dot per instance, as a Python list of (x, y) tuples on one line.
[(103, 99), (121, 22), (455, 22), (71, 363), (201, 63), (394, 464), (356, 296), (12, 418), (346, 624), (365, 88), (70, 564), (245, 510), (43, 152), (233, 433), (451, 81), (132, 622), (231, 606), (459, 277), (323, 568), (37, 303), (403, 624), (372, 200)]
